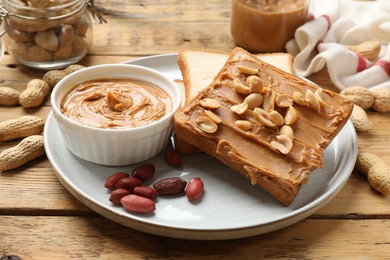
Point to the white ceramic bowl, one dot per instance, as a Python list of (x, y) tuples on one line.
[(115, 147)]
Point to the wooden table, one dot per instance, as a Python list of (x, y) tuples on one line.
[(40, 219)]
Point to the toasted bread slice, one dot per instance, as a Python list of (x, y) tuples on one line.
[(276, 161)]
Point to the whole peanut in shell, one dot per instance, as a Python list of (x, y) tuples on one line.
[(34, 94), (28, 149), (376, 169), (52, 77), (9, 96), (47, 39), (382, 100), (360, 96), (21, 127)]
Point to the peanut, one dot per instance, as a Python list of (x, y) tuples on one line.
[(36, 53), (113, 179), (377, 171), (19, 35), (72, 68), (369, 49), (243, 125), (283, 144), (170, 186), (82, 25), (360, 119), (239, 108), (206, 124), (40, 3), (66, 37), (247, 70), (381, 100), (52, 77), (19, 49), (34, 94), (79, 46), (47, 40), (117, 195), (21, 127), (359, 95), (145, 192), (28, 149), (9, 96), (46, 3), (138, 204), (32, 26), (173, 158), (128, 183), (209, 103), (194, 189), (144, 172)]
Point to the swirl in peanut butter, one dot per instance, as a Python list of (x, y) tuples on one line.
[(116, 104)]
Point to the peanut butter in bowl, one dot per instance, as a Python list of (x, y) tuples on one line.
[(115, 114), (116, 103)]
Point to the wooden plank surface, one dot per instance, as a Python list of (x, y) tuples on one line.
[(94, 237), (40, 219)]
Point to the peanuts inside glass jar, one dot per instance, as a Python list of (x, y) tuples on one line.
[(48, 36)]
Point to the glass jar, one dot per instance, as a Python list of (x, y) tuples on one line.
[(266, 25), (47, 37)]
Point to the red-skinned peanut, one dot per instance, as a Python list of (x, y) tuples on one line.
[(113, 179), (170, 186), (138, 204), (128, 183), (117, 194), (173, 158), (145, 191), (144, 172), (194, 189)]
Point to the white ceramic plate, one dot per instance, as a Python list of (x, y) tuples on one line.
[(230, 208)]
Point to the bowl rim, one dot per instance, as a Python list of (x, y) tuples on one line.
[(169, 116)]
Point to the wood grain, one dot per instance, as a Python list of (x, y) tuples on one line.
[(40, 219), (95, 237)]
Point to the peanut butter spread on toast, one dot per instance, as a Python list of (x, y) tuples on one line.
[(270, 126)]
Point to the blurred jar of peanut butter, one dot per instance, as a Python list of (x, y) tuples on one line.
[(47, 34), (266, 25)]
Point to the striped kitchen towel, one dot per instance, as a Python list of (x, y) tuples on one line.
[(330, 38)]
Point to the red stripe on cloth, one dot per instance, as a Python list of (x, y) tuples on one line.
[(327, 18), (385, 65), (362, 64)]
